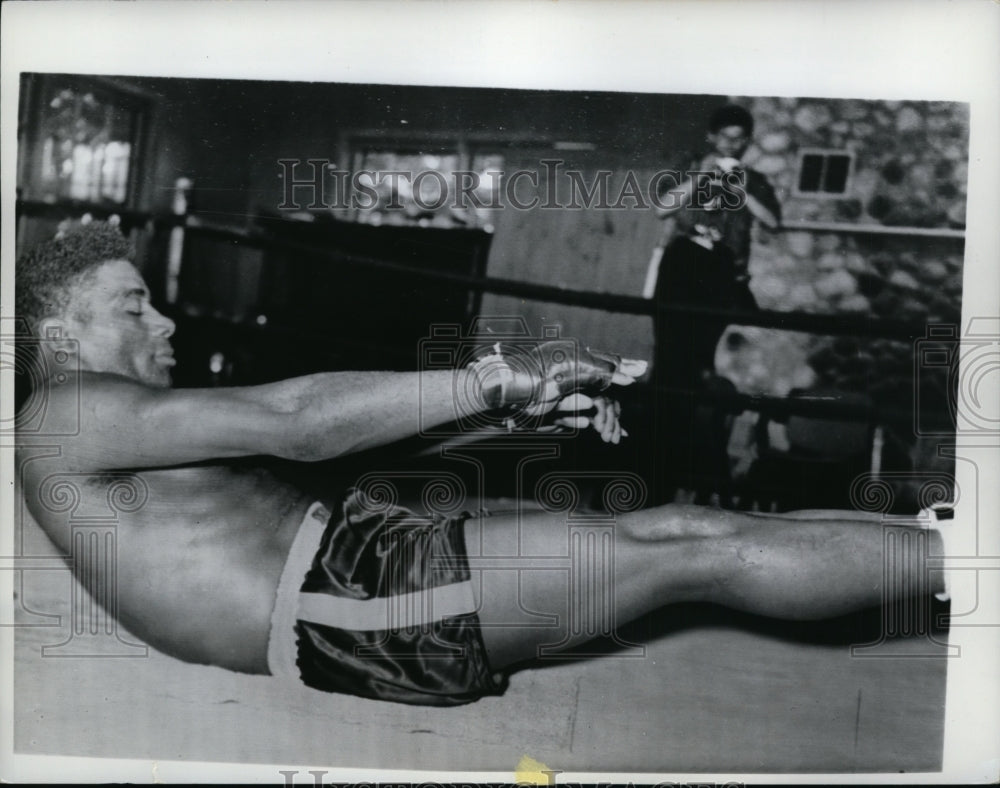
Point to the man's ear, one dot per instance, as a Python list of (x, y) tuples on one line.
[(55, 333)]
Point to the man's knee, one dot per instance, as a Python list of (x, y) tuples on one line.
[(677, 521)]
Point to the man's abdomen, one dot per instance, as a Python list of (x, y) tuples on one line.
[(199, 565)]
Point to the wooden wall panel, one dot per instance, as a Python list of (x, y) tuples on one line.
[(598, 249)]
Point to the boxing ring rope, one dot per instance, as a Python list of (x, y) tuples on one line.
[(823, 324), (820, 324), (808, 322)]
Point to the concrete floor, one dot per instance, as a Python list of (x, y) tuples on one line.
[(712, 692)]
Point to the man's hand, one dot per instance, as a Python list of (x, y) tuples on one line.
[(728, 164), (600, 413), (535, 381)]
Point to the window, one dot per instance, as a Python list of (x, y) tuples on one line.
[(824, 173), (84, 135), (433, 182)]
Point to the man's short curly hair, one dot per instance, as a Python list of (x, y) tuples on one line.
[(46, 274), (731, 115)]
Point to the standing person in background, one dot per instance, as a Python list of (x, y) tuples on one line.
[(708, 217)]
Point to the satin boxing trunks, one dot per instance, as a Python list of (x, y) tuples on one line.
[(377, 602)]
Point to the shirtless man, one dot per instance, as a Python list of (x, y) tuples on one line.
[(232, 567)]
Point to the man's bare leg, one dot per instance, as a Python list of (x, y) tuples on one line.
[(819, 565)]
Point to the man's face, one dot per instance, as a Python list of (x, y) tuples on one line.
[(117, 329), (730, 141)]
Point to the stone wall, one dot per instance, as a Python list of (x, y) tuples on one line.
[(909, 170), (910, 158)]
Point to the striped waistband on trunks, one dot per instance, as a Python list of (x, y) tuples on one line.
[(281, 648)]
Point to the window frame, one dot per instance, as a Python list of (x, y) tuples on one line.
[(826, 153), (141, 103), (355, 143)]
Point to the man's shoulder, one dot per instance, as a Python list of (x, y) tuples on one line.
[(55, 404)]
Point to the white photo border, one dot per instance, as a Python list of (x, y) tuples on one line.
[(874, 50)]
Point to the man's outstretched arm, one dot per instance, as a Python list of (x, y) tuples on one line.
[(124, 424)]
